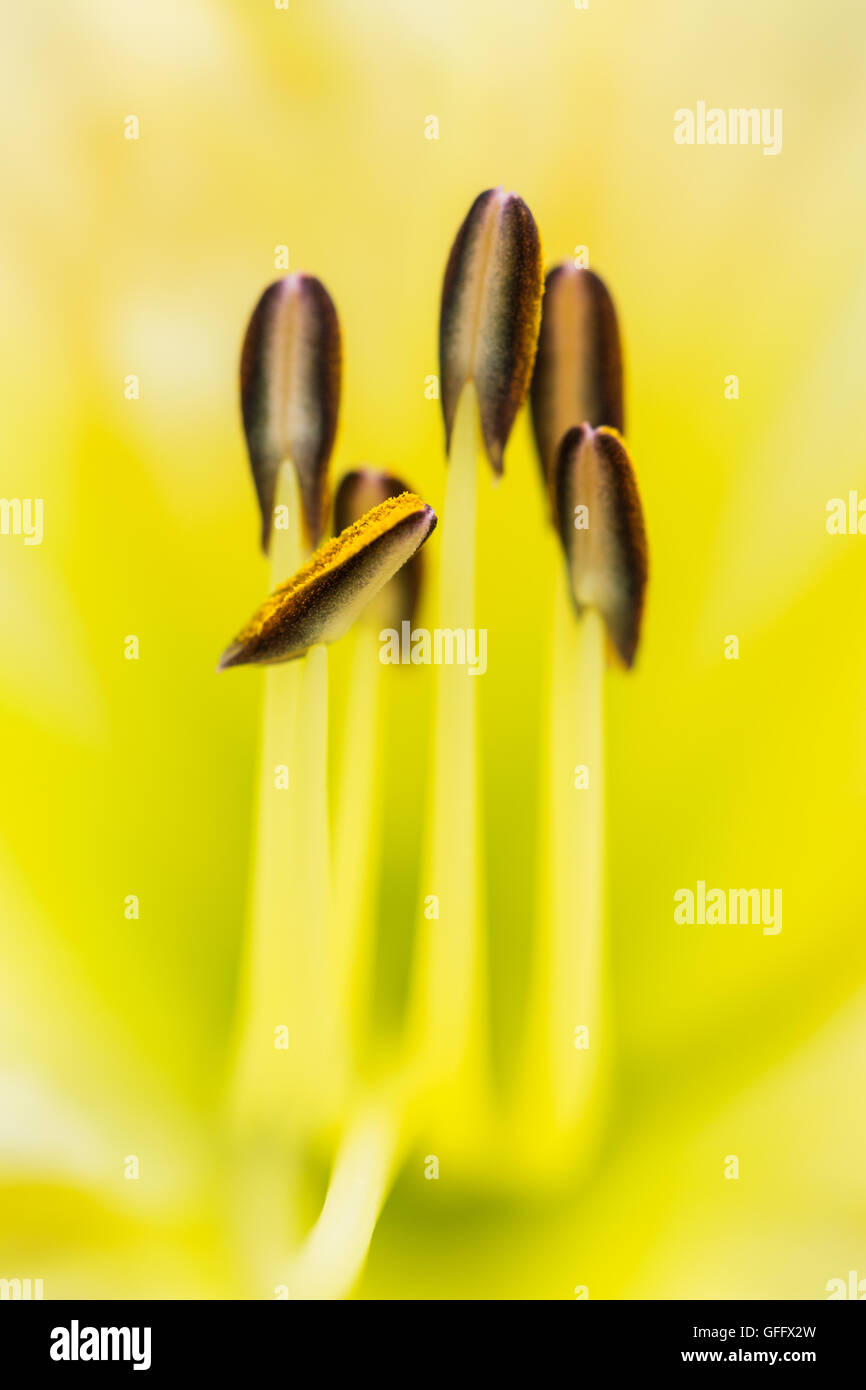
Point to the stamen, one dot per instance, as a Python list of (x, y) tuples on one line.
[(578, 367), (290, 394), (491, 308), (600, 522), (322, 600), (357, 493)]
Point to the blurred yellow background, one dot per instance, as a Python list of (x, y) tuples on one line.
[(306, 128)]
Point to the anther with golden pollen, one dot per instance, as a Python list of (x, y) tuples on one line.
[(320, 602), (358, 492), (290, 394), (600, 521)]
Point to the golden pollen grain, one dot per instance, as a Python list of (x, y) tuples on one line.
[(358, 492), (321, 601)]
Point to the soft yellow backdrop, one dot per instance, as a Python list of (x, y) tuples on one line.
[(260, 127)]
